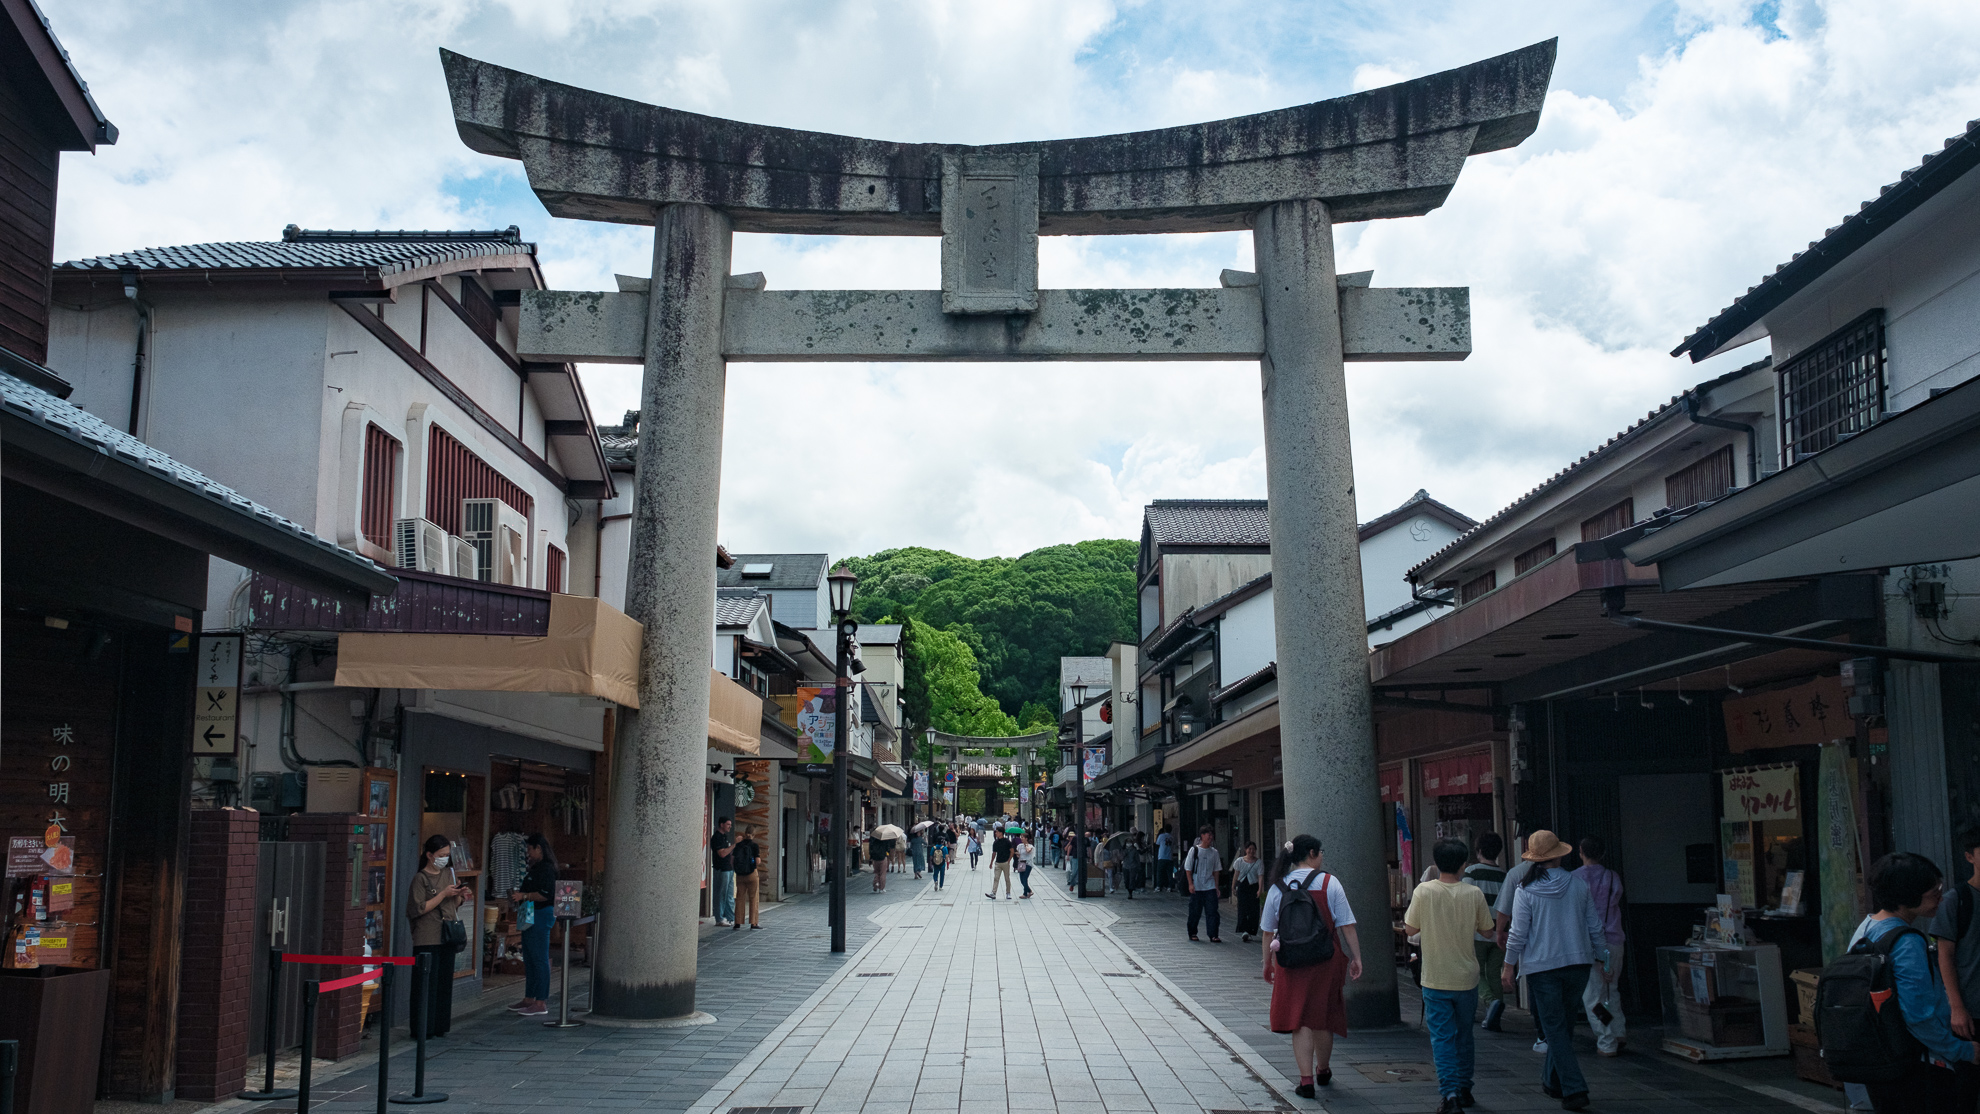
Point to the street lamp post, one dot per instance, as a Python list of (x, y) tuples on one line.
[(1078, 689), (841, 582)]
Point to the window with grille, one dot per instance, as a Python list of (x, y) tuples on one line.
[(1533, 556), (380, 504), (1835, 389), (1477, 586), (1621, 515), (553, 570), (454, 473), (480, 307), (1707, 479)]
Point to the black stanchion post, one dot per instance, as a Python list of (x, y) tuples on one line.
[(384, 1035), (308, 1045), (269, 1015), (10, 1065), (591, 964), (423, 976), (564, 991)]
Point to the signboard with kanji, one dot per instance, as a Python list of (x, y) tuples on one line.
[(217, 695), (1762, 793), (1808, 714)]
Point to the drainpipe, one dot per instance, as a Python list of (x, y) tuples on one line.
[(1752, 446), (138, 359)]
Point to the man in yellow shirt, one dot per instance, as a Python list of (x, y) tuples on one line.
[(1445, 913)]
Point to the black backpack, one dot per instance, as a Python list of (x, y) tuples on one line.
[(744, 857), (1306, 931), (1857, 1018)]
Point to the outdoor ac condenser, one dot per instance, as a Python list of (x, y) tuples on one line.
[(496, 530), (463, 561), (419, 545)]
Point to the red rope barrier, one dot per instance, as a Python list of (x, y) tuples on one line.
[(347, 980), (348, 960)]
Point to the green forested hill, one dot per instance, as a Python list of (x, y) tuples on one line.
[(1015, 617)]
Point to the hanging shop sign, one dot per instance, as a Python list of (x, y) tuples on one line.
[(1808, 714), (1762, 793), (817, 706), (1096, 762), (217, 695)]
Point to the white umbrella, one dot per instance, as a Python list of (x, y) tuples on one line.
[(889, 831), (924, 825)]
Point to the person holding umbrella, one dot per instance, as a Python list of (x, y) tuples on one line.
[(879, 845), (918, 841)]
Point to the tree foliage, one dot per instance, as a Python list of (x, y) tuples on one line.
[(956, 701), (1016, 617)]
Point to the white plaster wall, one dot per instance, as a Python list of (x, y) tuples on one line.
[(1190, 579), (1386, 556), (615, 544), (1246, 638), (95, 350)]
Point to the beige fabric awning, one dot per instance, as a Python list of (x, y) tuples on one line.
[(592, 650)]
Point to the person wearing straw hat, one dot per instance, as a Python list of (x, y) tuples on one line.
[(1555, 937)]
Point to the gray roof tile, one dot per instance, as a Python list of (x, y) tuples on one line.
[(787, 571), (1208, 522), (737, 607), (80, 426), (381, 251)]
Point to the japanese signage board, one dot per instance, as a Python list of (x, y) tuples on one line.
[(1808, 714), (1096, 762), (569, 898), (817, 705), (52, 853), (1762, 793), (217, 694), (921, 785)]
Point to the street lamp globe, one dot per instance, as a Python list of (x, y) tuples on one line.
[(1078, 689), (841, 582)]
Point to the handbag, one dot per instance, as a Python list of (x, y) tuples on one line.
[(453, 933)]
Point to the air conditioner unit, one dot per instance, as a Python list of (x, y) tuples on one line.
[(419, 545), (496, 530), (463, 561)]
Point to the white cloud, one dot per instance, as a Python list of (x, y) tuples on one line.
[(1684, 152)]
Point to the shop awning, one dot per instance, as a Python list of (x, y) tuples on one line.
[(1900, 493), (735, 716), (1458, 775), (1131, 772), (1231, 743), (592, 648)]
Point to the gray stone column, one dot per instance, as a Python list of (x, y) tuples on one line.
[(653, 868), (1327, 737)]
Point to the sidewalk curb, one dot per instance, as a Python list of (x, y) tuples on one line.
[(718, 1095), (1273, 1079)]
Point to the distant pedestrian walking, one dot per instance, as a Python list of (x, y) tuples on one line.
[(1311, 953), (1247, 880), (1555, 938), (1132, 857), (1602, 1001), (938, 863), (1200, 867), (1489, 877), (975, 850), (918, 850), (1000, 867), (746, 855), (877, 850), (1025, 851), (1165, 858), (1447, 915)]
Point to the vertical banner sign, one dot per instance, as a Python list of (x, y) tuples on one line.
[(921, 785), (817, 705), (1024, 794), (217, 695), (1096, 762), (1835, 847)]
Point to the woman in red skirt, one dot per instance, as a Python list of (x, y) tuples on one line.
[(1307, 1000)]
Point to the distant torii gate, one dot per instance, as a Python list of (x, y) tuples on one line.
[(952, 746), (1289, 176)]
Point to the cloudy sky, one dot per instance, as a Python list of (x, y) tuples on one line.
[(1686, 149)]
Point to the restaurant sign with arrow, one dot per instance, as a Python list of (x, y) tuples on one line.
[(217, 698)]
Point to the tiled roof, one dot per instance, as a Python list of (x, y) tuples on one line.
[(87, 430), (1419, 503), (385, 252), (1913, 188), (787, 571), (1603, 450), (737, 607), (622, 440), (1208, 522)]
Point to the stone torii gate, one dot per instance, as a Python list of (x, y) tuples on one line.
[(951, 748), (1289, 176)]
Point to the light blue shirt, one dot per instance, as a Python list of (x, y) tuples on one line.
[(1927, 1013), (1554, 925)]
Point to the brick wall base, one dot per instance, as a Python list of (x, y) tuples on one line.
[(337, 1029), (217, 956)]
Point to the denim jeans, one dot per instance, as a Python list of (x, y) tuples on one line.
[(1203, 903), (940, 871), (1024, 876), (536, 956), (725, 896), (1556, 999), (1447, 1014)]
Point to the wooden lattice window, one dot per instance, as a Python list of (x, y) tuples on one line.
[(1835, 389), (1618, 517), (553, 570), (1703, 481), (1478, 586), (1533, 556), (380, 503), (454, 473)]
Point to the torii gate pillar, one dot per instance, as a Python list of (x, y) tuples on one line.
[(1288, 175)]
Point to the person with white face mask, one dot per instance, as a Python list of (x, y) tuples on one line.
[(434, 898)]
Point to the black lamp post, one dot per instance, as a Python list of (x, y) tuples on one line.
[(1078, 689), (841, 581)]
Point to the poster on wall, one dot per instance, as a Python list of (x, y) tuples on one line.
[(1762, 793), (921, 785), (817, 706), (1096, 762), (48, 853)]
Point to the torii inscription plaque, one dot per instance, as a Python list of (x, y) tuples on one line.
[(1288, 176)]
